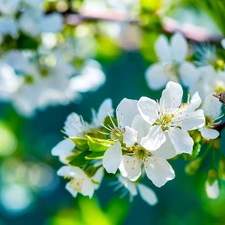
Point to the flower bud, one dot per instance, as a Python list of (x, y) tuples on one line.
[(222, 168), (212, 176), (213, 190), (212, 186), (193, 166)]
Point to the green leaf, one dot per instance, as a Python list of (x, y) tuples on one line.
[(98, 145), (81, 143), (79, 160), (94, 155)]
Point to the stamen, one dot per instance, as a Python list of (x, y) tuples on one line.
[(107, 128), (111, 119), (103, 133)]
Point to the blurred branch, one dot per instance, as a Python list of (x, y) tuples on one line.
[(191, 32)]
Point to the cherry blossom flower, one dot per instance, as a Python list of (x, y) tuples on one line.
[(172, 65), (209, 80), (123, 133), (147, 194), (157, 169), (212, 111), (169, 120), (79, 180), (75, 126)]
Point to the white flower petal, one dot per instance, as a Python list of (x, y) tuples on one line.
[(171, 97), (90, 78), (193, 120), (212, 106), (179, 47), (148, 109), (87, 188), (98, 177), (209, 133), (156, 76), (147, 194), (129, 185), (130, 136), (63, 147), (154, 139), (51, 23), (105, 109), (223, 43), (213, 190), (71, 189), (194, 103), (112, 158), (166, 150), (8, 26), (141, 126), (130, 167), (71, 171), (163, 49), (126, 111), (9, 7), (158, 170), (73, 125), (188, 73), (181, 140)]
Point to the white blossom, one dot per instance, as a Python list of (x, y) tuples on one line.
[(169, 120), (157, 169), (208, 81), (79, 181), (89, 78), (75, 126), (125, 112), (212, 111), (172, 65), (147, 194), (8, 26)]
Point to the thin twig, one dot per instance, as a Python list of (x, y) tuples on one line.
[(169, 25)]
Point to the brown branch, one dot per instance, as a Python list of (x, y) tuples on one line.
[(191, 32)]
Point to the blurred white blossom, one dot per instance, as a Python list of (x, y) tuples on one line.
[(172, 65)]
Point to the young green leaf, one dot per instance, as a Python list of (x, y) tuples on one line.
[(81, 143), (79, 160), (95, 155), (98, 145)]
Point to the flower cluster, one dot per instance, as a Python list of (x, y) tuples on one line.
[(206, 74), (31, 82), (35, 72), (138, 141), (202, 71)]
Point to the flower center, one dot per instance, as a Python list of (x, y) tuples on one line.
[(117, 134), (141, 153), (209, 122), (164, 121), (172, 69), (77, 184)]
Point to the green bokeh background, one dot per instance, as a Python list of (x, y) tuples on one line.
[(181, 202)]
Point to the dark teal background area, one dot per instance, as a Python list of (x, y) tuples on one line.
[(181, 201)]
